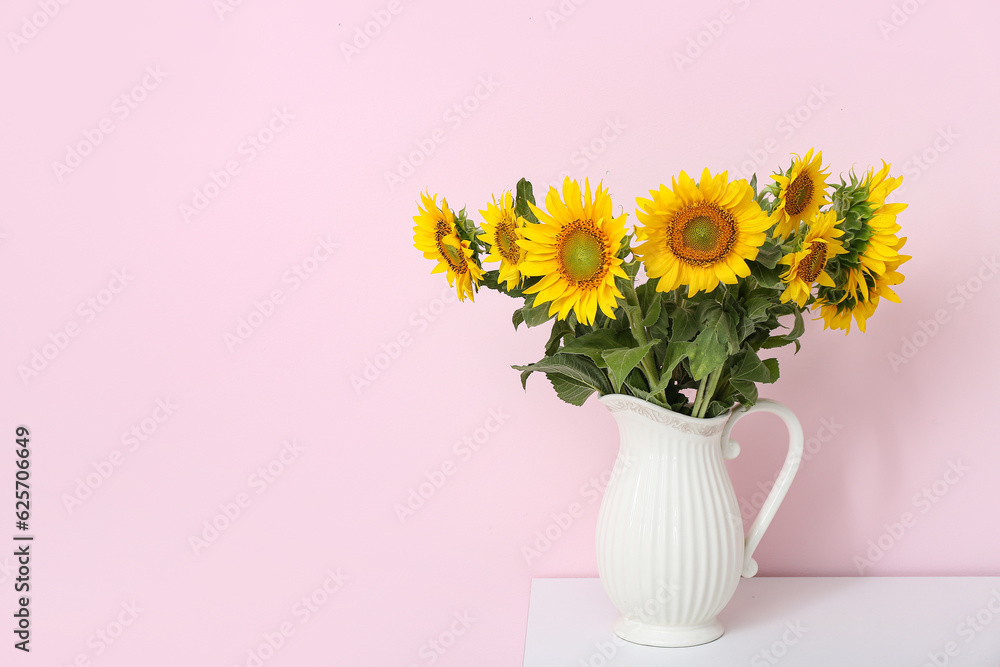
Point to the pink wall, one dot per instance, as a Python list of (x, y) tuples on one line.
[(860, 80)]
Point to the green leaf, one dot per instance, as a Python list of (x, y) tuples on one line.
[(636, 383), (683, 324), (745, 328), (746, 390), (748, 372), (525, 374), (772, 365), (535, 316), (572, 366), (768, 255), (652, 312), (716, 341), (770, 278), (786, 308), (559, 329), (743, 325), (720, 324), (779, 341), (647, 292), (621, 361), (525, 195), (798, 328), (489, 279), (517, 318), (708, 354), (756, 307), (572, 391), (675, 353), (750, 367), (716, 408), (595, 343)]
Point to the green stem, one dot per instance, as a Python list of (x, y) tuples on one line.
[(713, 383), (698, 397), (639, 332)]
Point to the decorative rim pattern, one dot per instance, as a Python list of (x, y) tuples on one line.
[(683, 423)]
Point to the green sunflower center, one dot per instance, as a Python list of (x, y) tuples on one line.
[(506, 239), (702, 234), (799, 194), (584, 254), (814, 262), (454, 257)]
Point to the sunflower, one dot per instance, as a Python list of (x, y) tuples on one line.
[(802, 192), (574, 249), (808, 265), (862, 293), (435, 235), (881, 245), (502, 229), (854, 303), (700, 234), (869, 268)]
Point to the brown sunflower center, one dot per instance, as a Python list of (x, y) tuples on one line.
[(702, 234), (506, 239), (449, 253), (799, 194), (814, 262), (584, 255)]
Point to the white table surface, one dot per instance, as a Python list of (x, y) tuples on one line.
[(809, 621)]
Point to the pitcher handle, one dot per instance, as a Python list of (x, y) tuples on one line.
[(730, 450)]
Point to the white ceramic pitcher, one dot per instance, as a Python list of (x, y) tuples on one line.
[(670, 542)]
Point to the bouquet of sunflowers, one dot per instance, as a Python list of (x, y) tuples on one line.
[(723, 263)]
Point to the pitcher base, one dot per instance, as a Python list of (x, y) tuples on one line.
[(668, 636)]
